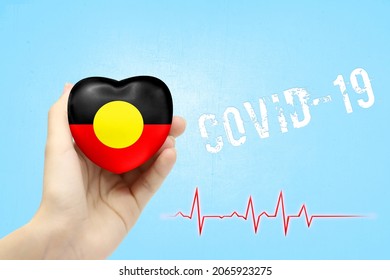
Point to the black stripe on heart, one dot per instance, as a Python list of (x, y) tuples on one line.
[(149, 95)]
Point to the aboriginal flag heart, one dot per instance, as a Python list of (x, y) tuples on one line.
[(119, 125)]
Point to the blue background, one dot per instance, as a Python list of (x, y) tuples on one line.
[(214, 55)]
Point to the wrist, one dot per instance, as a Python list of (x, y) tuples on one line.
[(53, 237), (39, 239), (24, 243)]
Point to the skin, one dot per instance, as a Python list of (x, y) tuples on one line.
[(85, 210)]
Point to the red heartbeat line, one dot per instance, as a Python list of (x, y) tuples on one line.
[(250, 213)]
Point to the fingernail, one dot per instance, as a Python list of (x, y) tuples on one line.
[(67, 87), (173, 139)]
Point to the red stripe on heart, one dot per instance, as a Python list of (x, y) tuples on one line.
[(120, 160)]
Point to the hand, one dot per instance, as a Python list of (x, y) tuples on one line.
[(86, 211)]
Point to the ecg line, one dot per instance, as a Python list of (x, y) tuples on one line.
[(250, 213)]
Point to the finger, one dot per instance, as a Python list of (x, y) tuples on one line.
[(132, 175), (59, 137), (150, 181), (178, 126)]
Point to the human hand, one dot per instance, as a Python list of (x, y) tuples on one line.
[(86, 211)]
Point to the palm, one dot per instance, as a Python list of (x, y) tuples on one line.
[(109, 209)]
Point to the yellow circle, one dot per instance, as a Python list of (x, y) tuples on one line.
[(118, 124)]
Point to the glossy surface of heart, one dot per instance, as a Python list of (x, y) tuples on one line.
[(119, 125)]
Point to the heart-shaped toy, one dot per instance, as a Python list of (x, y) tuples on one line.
[(119, 125)]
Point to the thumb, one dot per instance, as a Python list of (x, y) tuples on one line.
[(59, 138)]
